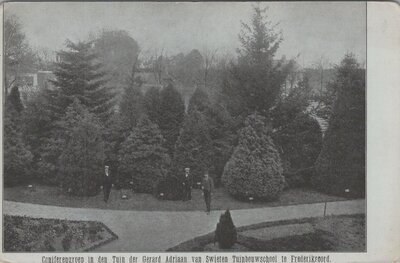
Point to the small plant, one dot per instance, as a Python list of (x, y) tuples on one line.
[(225, 234), (66, 242)]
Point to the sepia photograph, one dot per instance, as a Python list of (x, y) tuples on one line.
[(184, 127)]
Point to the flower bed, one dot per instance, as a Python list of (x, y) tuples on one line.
[(25, 234)]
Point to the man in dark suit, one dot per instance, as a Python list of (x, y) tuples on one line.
[(207, 185), (187, 186), (107, 183)]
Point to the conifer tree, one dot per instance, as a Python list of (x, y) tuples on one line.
[(172, 110), (82, 151), (254, 169), (131, 106), (219, 126), (193, 148), (80, 76), (143, 159), (17, 157), (199, 101), (223, 136), (255, 80), (340, 167), (14, 98), (299, 143), (151, 103), (225, 234), (37, 127)]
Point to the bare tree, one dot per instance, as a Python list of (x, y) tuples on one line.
[(158, 64), (45, 58), (19, 57), (209, 57), (321, 65), (135, 67)]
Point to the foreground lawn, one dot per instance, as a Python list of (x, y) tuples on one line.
[(345, 233), (221, 200), (25, 234)]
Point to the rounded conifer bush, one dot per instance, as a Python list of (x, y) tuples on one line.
[(340, 168), (254, 169), (143, 159), (299, 144)]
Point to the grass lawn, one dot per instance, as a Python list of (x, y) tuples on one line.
[(345, 233), (25, 234), (221, 200)]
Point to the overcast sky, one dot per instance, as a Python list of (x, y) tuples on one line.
[(328, 29)]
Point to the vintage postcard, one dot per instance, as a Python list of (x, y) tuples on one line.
[(200, 132)]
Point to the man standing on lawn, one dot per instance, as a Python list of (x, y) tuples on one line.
[(207, 185), (107, 183), (187, 186)]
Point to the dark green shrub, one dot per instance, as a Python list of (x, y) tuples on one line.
[(254, 169), (340, 168), (225, 234), (299, 144)]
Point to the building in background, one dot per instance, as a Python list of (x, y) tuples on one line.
[(31, 83)]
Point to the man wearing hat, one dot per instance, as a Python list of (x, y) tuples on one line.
[(207, 185), (187, 186), (107, 183)]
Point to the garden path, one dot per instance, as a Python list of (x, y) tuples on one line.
[(157, 231)]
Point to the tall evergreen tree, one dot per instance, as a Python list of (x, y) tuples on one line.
[(172, 110), (220, 129), (223, 136), (81, 159), (151, 103), (299, 143), (17, 157), (37, 126), (341, 165), (79, 75), (143, 159), (193, 147), (256, 79)]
